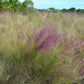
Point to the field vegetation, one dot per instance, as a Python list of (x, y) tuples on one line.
[(41, 48)]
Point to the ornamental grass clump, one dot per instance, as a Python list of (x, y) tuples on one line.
[(45, 62), (43, 59)]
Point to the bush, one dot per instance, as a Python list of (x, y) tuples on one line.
[(72, 10)]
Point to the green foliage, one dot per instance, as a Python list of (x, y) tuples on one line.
[(68, 10), (64, 10), (15, 5), (72, 10), (27, 6), (1, 1), (51, 9), (80, 10)]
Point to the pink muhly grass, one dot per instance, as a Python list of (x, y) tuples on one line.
[(78, 62), (79, 44), (49, 41), (65, 73), (70, 14), (71, 50), (43, 33), (46, 39), (81, 71)]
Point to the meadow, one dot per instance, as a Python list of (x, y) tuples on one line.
[(41, 48)]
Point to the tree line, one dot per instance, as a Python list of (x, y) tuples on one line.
[(80, 11), (16, 5)]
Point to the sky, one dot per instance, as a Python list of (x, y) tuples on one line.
[(58, 4)]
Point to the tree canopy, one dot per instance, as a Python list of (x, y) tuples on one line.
[(15, 5)]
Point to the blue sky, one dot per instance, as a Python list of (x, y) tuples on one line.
[(58, 4)]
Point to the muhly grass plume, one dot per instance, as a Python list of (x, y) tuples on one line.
[(45, 40), (44, 51)]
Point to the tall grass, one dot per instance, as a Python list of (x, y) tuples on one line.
[(41, 48)]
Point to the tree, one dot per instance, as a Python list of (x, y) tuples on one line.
[(51, 9), (14, 5), (72, 10), (27, 3), (1, 1), (78, 10), (64, 10), (27, 6), (11, 1)]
